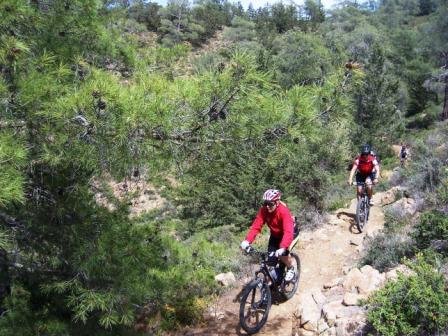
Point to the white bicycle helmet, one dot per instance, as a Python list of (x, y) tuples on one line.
[(271, 195)]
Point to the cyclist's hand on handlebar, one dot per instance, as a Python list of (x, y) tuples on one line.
[(375, 181), (349, 182), (279, 252), (245, 245)]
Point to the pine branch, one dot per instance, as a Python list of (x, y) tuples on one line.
[(12, 124), (212, 111), (11, 221), (333, 104)]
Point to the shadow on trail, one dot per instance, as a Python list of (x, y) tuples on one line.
[(229, 325), (350, 218)]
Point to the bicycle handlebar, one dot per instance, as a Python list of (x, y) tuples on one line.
[(252, 250), (363, 183)]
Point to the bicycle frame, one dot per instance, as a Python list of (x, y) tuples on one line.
[(363, 192), (265, 263)]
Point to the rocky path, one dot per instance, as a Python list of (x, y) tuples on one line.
[(326, 254)]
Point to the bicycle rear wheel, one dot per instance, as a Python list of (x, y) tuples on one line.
[(255, 305), (289, 288)]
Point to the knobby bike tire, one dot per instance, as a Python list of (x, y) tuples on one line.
[(367, 210), (288, 289), (255, 304), (360, 214)]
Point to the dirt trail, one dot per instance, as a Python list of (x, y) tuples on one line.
[(324, 254)]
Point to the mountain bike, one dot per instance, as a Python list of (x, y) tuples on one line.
[(362, 207), (257, 295)]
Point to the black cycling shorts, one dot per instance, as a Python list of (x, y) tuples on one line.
[(274, 244), (362, 178)]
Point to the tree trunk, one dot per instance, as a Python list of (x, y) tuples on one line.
[(5, 280), (444, 115)]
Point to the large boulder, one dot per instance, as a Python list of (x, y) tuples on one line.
[(363, 281), (352, 299), (353, 280), (403, 208), (390, 196), (225, 279), (350, 326), (309, 313), (373, 279), (400, 269)]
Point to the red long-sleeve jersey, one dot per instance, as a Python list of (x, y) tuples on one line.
[(280, 222)]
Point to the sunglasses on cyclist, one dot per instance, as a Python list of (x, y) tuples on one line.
[(269, 204)]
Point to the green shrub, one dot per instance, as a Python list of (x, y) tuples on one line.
[(394, 222), (422, 121), (207, 62), (433, 225), (428, 169), (441, 194), (22, 319), (338, 196), (309, 218), (385, 251), (414, 305)]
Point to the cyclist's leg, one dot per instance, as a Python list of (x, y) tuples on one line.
[(273, 244), (369, 185), (359, 179), (286, 259), (288, 262)]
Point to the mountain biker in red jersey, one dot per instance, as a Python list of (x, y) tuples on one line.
[(367, 170), (278, 218), (404, 153)]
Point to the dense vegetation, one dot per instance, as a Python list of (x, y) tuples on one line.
[(95, 91), (416, 305)]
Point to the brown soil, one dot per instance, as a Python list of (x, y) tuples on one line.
[(325, 255)]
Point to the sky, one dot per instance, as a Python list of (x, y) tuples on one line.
[(328, 4), (260, 3)]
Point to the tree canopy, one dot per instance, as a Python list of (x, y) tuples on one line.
[(226, 102)]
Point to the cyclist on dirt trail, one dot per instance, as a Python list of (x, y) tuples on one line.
[(278, 218), (367, 170), (404, 152)]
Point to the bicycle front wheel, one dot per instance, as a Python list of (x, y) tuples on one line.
[(361, 214), (255, 305), (367, 211)]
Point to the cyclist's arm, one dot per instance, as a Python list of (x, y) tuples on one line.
[(352, 172), (256, 227), (288, 229), (377, 169)]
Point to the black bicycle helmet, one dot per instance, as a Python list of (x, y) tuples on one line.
[(365, 149)]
